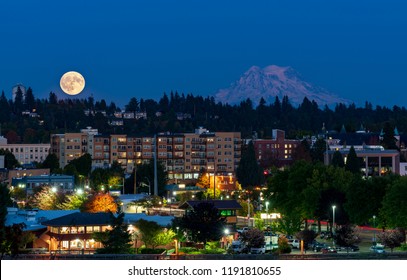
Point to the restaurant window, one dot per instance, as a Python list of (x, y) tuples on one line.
[(65, 230)]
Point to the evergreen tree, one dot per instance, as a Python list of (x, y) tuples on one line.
[(118, 240), (5, 108), (249, 173), (53, 99), (388, 140), (133, 105), (337, 159), (318, 150), (29, 102), (18, 101), (352, 161)]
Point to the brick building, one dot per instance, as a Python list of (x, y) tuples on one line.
[(276, 151)]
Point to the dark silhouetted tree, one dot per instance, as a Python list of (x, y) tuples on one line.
[(337, 159), (352, 161), (204, 222), (118, 239), (249, 173)]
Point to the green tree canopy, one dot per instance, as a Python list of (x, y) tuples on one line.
[(394, 210), (149, 231)]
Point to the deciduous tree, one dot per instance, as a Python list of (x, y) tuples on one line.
[(347, 235), (254, 238), (149, 231), (391, 238), (101, 202)]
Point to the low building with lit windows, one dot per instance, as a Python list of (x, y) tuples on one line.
[(75, 231), (64, 183)]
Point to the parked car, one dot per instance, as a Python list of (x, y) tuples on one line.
[(352, 248), (242, 229), (328, 250), (238, 246), (317, 246), (260, 250), (294, 243), (377, 249)]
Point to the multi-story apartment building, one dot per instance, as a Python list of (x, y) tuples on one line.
[(185, 155), (26, 153), (276, 151), (70, 146)]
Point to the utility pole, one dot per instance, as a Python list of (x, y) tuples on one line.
[(155, 166), (135, 177), (248, 212)]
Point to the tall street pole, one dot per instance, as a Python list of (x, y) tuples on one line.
[(333, 224), (155, 166), (135, 177)]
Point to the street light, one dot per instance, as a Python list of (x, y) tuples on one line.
[(333, 224), (149, 185), (267, 211), (374, 229), (226, 237)]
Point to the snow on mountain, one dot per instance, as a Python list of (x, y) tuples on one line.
[(272, 81)]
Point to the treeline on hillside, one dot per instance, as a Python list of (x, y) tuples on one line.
[(68, 115)]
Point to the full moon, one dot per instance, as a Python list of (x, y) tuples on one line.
[(72, 83)]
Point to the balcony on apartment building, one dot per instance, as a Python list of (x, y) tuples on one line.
[(198, 148), (178, 141), (198, 162), (198, 155)]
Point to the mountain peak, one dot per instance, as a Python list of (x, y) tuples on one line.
[(272, 81)]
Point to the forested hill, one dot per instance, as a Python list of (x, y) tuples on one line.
[(183, 113)]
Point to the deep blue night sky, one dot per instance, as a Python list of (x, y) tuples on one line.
[(355, 49)]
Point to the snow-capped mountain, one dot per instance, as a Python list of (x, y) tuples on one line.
[(273, 81)]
